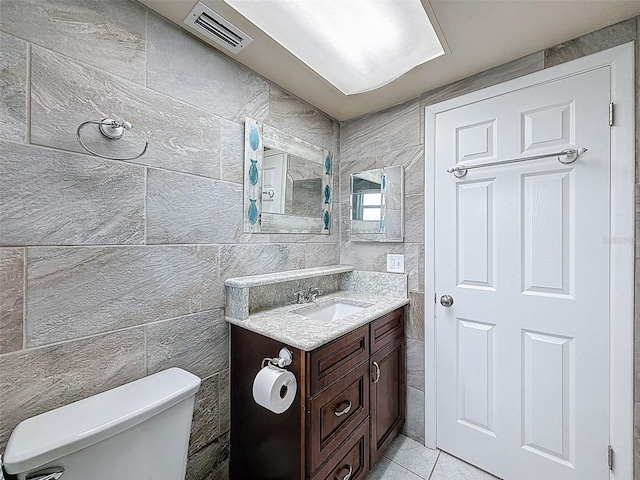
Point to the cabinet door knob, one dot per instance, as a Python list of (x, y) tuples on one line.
[(377, 374), (339, 413), (349, 472)]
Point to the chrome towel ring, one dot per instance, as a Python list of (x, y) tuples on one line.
[(111, 129)]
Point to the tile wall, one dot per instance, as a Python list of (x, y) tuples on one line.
[(112, 270), (395, 136)]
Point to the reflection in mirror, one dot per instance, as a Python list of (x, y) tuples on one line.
[(291, 185), (288, 186), (377, 205), (366, 198)]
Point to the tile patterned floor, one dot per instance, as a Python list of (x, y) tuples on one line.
[(406, 459)]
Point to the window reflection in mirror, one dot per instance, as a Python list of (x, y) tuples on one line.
[(367, 200), (370, 208)]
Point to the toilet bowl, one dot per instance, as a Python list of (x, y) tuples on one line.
[(139, 431)]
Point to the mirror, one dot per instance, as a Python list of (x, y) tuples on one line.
[(288, 184), (377, 205)]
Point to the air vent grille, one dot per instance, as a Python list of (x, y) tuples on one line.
[(215, 27)]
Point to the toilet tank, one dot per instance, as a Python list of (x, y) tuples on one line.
[(139, 431)]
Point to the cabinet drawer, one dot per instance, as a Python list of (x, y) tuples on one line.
[(387, 329), (352, 459), (335, 413), (332, 361)]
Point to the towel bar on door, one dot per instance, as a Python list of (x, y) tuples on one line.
[(572, 155)]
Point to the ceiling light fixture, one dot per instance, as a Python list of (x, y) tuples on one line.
[(356, 45)]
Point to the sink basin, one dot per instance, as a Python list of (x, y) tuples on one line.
[(331, 311)]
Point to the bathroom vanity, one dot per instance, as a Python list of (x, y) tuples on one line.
[(349, 364)]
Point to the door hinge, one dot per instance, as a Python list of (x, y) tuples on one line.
[(610, 457), (611, 114)]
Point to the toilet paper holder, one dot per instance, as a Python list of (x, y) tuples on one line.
[(284, 359)]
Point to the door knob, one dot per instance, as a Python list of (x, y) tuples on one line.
[(446, 300)]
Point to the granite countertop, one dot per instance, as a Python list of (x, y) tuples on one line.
[(278, 277), (285, 325)]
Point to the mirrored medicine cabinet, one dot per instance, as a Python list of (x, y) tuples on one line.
[(377, 205), (288, 183)]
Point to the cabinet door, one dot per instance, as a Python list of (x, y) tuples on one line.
[(387, 396)]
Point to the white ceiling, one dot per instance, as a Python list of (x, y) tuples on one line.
[(478, 35)]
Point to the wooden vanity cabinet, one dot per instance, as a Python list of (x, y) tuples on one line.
[(349, 407)]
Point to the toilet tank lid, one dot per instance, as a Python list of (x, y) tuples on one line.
[(54, 434)]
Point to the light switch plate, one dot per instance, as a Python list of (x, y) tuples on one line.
[(395, 263)]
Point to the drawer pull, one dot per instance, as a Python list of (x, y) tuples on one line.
[(377, 375), (339, 413), (349, 473)]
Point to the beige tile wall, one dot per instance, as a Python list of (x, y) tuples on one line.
[(112, 270)]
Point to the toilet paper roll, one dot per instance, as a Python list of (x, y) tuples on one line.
[(274, 389)]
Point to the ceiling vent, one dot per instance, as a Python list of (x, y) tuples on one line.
[(213, 26)]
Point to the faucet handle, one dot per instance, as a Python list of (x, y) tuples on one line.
[(313, 293), (301, 297)]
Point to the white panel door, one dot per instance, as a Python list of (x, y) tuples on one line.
[(523, 352)]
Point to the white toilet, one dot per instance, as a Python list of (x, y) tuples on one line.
[(139, 431)]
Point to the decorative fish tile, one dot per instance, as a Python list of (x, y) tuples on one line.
[(253, 154)]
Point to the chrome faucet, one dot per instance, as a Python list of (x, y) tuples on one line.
[(308, 296), (313, 293)]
